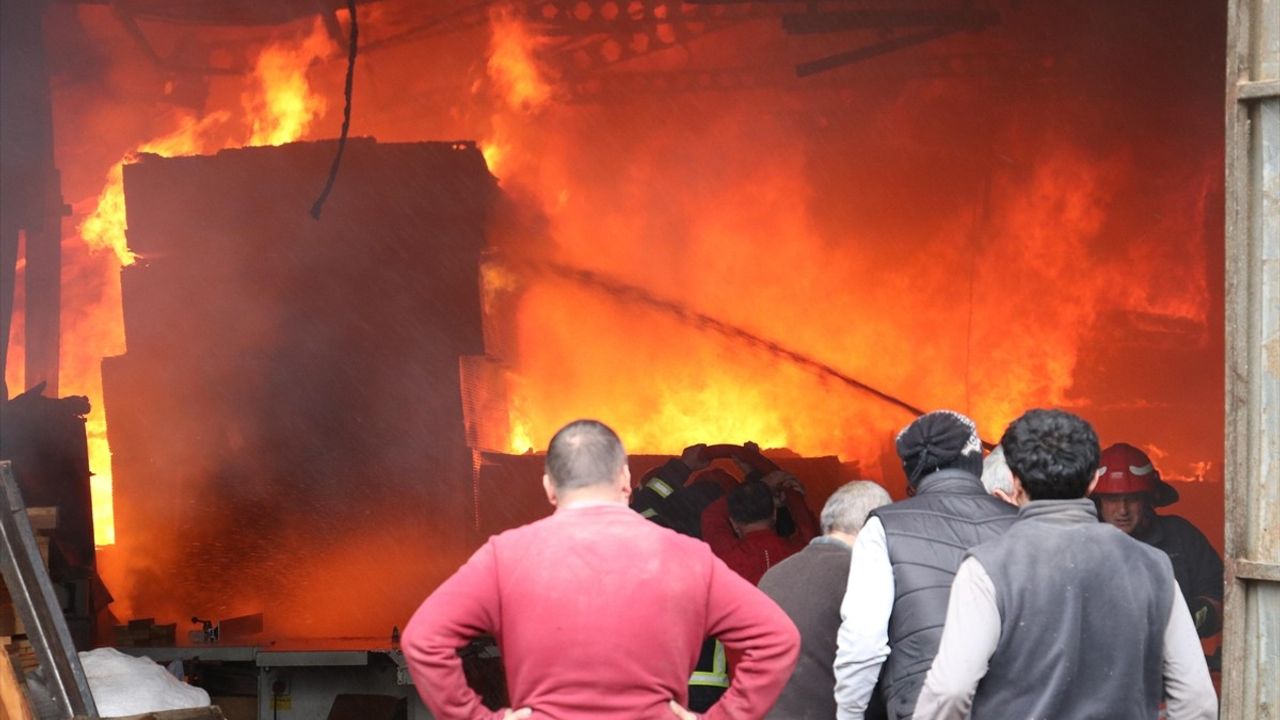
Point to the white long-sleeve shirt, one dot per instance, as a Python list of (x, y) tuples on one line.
[(862, 645), (972, 632)]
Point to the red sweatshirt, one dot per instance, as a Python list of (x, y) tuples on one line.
[(599, 614), (754, 553)]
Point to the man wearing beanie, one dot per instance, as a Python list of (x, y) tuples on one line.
[(903, 563), (1037, 628)]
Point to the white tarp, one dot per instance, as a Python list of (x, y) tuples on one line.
[(126, 685)]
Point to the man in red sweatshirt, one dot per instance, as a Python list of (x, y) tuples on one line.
[(599, 613)]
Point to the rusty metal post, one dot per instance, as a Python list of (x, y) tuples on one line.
[(1251, 633), (44, 288), (30, 194)]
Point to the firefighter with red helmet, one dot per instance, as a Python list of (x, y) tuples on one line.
[(1129, 490)]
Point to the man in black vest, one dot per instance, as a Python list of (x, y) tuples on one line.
[(903, 562), (1064, 617)]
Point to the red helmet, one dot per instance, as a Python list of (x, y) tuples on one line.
[(1124, 468)]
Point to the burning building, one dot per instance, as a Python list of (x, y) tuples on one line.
[(783, 222), (266, 371)]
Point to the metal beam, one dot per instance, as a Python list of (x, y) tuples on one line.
[(1005, 72), (832, 62), (841, 21)]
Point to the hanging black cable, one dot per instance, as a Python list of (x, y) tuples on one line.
[(346, 112)]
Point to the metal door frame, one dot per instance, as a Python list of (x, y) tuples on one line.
[(1251, 632)]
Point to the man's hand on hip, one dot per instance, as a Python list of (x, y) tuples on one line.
[(681, 712)]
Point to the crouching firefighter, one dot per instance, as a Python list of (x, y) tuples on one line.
[(666, 497)]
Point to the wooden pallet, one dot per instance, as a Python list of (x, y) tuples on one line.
[(13, 699)]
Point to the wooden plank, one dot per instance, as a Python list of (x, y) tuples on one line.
[(1258, 90), (43, 518), (213, 712), (13, 699), (1238, 427), (1252, 570)]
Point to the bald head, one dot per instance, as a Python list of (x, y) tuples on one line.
[(583, 454)]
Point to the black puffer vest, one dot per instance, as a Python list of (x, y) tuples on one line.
[(927, 537)]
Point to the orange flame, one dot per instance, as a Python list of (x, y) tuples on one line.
[(280, 107), (104, 228), (494, 153), (520, 442), (706, 220), (512, 66), (517, 78), (284, 107), (15, 361)]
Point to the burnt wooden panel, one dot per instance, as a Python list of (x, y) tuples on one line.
[(292, 383)]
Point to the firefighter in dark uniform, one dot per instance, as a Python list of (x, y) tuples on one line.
[(673, 496), (1129, 490), (665, 496)]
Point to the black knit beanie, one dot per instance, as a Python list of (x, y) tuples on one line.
[(940, 440)]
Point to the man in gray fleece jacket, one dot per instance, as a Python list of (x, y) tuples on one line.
[(809, 587), (1064, 617)]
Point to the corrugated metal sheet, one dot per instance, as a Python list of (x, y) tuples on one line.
[(1251, 639)]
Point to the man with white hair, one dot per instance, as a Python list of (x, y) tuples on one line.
[(809, 586), (997, 478)]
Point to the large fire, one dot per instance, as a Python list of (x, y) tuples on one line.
[(740, 239), (515, 78), (279, 106), (942, 247)]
